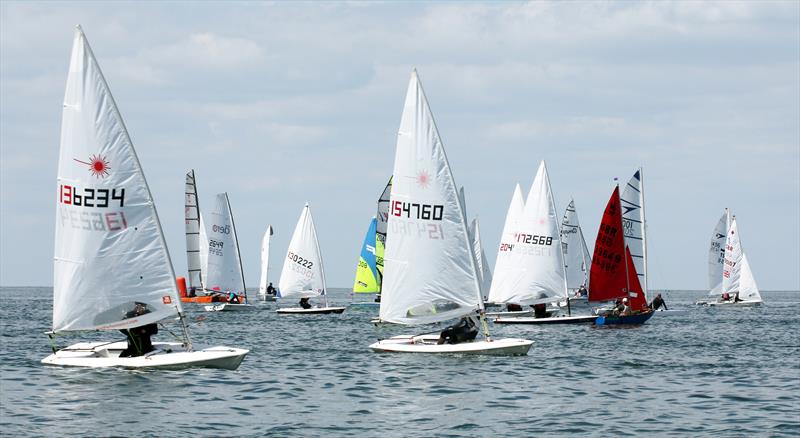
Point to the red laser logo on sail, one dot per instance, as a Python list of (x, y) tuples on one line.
[(98, 165), (423, 179)]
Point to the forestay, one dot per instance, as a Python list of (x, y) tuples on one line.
[(303, 275), (224, 271), (716, 254), (192, 218), (633, 222), (430, 271), (367, 278), (503, 265), (264, 280), (576, 254), (109, 247), (484, 274)]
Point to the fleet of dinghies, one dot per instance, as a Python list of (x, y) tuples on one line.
[(420, 257)]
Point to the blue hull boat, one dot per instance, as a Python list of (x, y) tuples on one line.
[(636, 319)]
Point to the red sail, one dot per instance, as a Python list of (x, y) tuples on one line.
[(636, 298), (608, 275)]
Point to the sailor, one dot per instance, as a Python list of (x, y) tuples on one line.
[(138, 338), (540, 310), (512, 307), (193, 292), (271, 290), (464, 330), (582, 292), (626, 309), (233, 298), (726, 296), (304, 303), (378, 298), (657, 303)]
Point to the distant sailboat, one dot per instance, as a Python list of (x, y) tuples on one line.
[(303, 275), (112, 269), (430, 272), (367, 277), (576, 254), (484, 273), (613, 273), (264, 282), (738, 284), (504, 263), (224, 271)]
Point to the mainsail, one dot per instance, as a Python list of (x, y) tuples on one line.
[(110, 251), (367, 278), (224, 272), (613, 274), (503, 265), (633, 223), (716, 253), (430, 273), (264, 280), (576, 254), (192, 218), (538, 273), (736, 274), (380, 227), (303, 275), (484, 274)]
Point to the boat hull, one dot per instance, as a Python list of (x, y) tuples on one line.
[(585, 319), (745, 303), (229, 307), (635, 319), (427, 344), (311, 311), (512, 314), (168, 355)]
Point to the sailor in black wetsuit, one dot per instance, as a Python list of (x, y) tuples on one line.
[(304, 303), (658, 302), (463, 331), (139, 342)]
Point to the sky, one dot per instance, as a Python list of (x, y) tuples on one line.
[(279, 103)]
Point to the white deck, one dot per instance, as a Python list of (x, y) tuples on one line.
[(311, 311), (427, 344), (167, 355)]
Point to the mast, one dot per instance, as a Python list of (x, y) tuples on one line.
[(624, 252), (560, 239), (238, 252)]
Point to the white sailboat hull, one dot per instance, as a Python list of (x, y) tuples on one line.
[(744, 303), (167, 355), (511, 314), (427, 344), (584, 319), (311, 311), (228, 307)]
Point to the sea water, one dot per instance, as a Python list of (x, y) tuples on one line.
[(709, 371)]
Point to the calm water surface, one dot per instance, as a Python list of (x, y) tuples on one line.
[(725, 372)]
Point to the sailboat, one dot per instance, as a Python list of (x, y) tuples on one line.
[(576, 254), (112, 269), (264, 282), (430, 272), (738, 282), (613, 274), (503, 266), (224, 271), (303, 275), (537, 271), (484, 274), (368, 280)]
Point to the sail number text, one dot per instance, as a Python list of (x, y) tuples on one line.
[(413, 210), (300, 260), (101, 198), (534, 239)]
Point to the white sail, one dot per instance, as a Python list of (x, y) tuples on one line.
[(484, 274), (633, 223), (537, 274), (430, 273), (109, 248), (503, 265), (203, 247), (224, 265), (192, 218), (303, 275), (263, 281), (576, 254), (736, 274), (716, 254)]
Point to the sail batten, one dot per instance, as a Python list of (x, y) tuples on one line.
[(110, 252)]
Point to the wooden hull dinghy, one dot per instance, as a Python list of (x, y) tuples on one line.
[(428, 344), (167, 355), (635, 319)]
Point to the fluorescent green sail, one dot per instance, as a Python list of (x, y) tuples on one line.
[(366, 272)]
